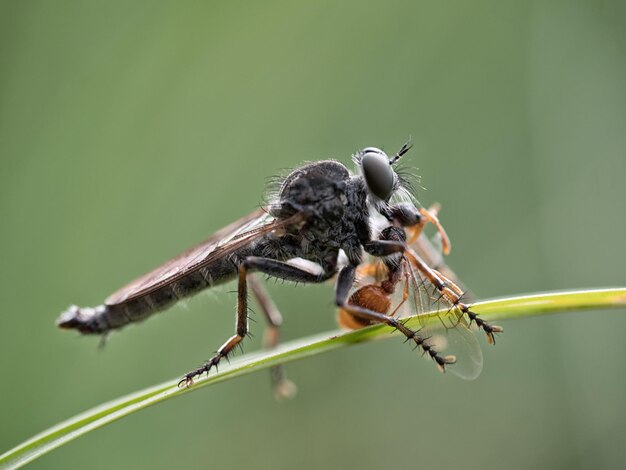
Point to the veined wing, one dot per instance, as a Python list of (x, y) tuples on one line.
[(445, 325), (430, 250), (222, 243)]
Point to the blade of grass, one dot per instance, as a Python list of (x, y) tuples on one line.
[(500, 309)]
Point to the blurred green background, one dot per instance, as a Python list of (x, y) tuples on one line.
[(131, 130)]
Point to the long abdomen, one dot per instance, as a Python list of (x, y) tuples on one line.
[(111, 316)]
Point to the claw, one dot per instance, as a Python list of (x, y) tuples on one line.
[(488, 328), (186, 381), (442, 362), (490, 331)]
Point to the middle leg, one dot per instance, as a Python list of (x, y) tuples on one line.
[(241, 330), (453, 294), (271, 267)]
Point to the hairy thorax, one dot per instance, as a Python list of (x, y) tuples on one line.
[(334, 205)]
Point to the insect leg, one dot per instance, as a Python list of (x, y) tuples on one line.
[(380, 248), (453, 294), (285, 271), (283, 387), (268, 266), (405, 297), (344, 283), (427, 251), (415, 220), (241, 330)]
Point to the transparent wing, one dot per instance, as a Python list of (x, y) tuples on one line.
[(431, 251), (221, 243), (448, 331), (444, 325)]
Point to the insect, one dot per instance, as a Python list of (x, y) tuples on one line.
[(443, 326), (320, 210)]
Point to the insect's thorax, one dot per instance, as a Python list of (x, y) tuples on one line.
[(335, 205)]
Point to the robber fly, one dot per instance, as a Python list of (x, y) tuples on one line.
[(320, 210)]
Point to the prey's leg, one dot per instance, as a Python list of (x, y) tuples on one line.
[(405, 297), (283, 387), (345, 281), (268, 266)]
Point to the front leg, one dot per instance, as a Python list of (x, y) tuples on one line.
[(381, 248), (453, 294), (405, 215), (345, 280), (414, 219)]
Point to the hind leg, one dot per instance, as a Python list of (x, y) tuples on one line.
[(283, 387)]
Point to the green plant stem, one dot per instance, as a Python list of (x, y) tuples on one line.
[(501, 309)]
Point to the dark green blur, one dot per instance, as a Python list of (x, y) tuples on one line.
[(131, 130)]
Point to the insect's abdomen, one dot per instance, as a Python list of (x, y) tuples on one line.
[(111, 316), (371, 297)]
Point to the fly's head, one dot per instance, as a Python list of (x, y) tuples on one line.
[(381, 176)]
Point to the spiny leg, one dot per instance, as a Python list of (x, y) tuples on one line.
[(414, 226), (453, 294), (456, 299), (345, 281), (283, 387), (268, 266), (489, 329), (241, 330)]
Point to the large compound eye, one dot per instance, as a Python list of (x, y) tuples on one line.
[(377, 172)]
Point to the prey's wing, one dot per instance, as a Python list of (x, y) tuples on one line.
[(444, 324), (224, 242), (430, 250)]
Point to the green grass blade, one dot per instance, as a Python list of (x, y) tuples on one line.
[(500, 309)]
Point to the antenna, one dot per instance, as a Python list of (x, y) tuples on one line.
[(405, 148)]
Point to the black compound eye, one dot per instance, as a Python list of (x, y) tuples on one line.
[(377, 172)]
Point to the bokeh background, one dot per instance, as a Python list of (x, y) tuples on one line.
[(131, 130)]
